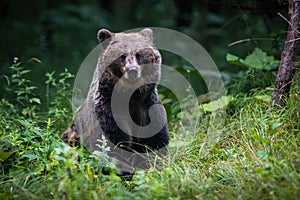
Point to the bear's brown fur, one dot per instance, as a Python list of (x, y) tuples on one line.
[(129, 61)]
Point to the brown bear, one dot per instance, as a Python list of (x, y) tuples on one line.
[(122, 103)]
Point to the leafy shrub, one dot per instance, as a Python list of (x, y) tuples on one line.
[(21, 89), (59, 103), (256, 156), (259, 73)]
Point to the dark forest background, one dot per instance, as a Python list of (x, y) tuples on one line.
[(61, 33)]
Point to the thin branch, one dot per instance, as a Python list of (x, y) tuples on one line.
[(292, 40), (250, 39), (295, 29)]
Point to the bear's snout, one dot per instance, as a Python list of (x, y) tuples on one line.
[(132, 73), (132, 70)]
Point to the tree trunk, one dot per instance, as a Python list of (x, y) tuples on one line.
[(286, 69)]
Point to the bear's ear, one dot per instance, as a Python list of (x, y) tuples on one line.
[(147, 32), (104, 34)]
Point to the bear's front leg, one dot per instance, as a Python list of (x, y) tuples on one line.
[(71, 136)]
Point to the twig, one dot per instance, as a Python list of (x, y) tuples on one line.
[(295, 29)]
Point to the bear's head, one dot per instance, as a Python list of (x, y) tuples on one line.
[(130, 57)]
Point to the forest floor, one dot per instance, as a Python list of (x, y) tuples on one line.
[(256, 157)]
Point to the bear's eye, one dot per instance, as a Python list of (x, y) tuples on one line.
[(138, 56), (122, 58)]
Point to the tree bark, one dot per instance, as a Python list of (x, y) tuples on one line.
[(286, 69)]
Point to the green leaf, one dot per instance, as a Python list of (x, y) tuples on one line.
[(167, 100), (235, 60), (261, 139), (24, 72), (263, 99), (6, 195), (4, 155), (36, 100), (30, 88), (258, 59), (275, 125), (20, 92), (221, 103)]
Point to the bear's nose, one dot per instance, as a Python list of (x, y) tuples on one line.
[(132, 73)]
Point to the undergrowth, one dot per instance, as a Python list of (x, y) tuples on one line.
[(256, 157)]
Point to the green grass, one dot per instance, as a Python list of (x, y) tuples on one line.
[(256, 157)]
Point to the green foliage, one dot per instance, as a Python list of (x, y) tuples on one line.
[(256, 156), (25, 100), (259, 73), (221, 103), (24, 91), (256, 60), (250, 81), (59, 103)]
